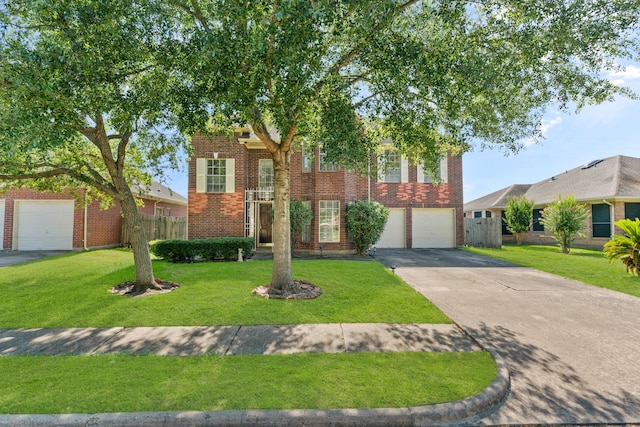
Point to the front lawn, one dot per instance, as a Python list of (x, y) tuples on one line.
[(72, 291), (585, 265)]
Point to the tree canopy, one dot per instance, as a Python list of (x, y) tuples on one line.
[(435, 77), (83, 102)]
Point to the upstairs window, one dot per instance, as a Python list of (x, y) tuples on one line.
[(265, 174), (391, 166), (215, 175), (326, 166), (442, 173)]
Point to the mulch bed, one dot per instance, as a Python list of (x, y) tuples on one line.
[(162, 287), (301, 290)]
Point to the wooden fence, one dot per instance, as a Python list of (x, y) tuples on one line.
[(483, 232), (160, 228)]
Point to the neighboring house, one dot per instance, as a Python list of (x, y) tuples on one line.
[(32, 220), (609, 187), (231, 194)]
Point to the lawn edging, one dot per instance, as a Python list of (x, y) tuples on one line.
[(412, 416)]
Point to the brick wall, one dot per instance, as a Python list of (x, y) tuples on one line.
[(217, 214)]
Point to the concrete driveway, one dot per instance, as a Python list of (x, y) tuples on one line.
[(18, 257), (573, 350)]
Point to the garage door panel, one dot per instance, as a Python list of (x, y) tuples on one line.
[(45, 225), (393, 235), (433, 228)]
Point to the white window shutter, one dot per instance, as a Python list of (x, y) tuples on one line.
[(444, 172), (201, 175), (231, 176), (404, 170), (420, 172)]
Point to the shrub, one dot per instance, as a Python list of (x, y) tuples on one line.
[(205, 249), (627, 247), (300, 215), (365, 222), (518, 216), (565, 219)]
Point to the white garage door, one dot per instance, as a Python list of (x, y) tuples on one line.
[(434, 228), (1, 224), (393, 235), (44, 225)]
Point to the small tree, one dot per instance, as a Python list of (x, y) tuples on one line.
[(518, 216), (627, 247), (300, 216), (565, 219), (365, 222)]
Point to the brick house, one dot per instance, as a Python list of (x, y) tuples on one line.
[(610, 188), (32, 220), (231, 183)]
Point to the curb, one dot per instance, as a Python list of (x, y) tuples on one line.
[(429, 415)]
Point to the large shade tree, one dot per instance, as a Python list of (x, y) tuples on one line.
[(434, 76), (82, 102)]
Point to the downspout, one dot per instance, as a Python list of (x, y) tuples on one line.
[(84, 231), (612, 230)]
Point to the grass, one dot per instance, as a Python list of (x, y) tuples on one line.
[(585, 265), (72, 291), (110, 383)]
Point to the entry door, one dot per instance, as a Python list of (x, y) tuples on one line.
[(266, 224)]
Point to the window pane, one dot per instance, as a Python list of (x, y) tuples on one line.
[(265, 177), (632, 210), (601, 220), (505, 231), (326, 166), (216, 175), (391, 166), (329, 216), (537, 214)]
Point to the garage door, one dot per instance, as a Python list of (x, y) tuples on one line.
[(434, 228), (393, 235), (44, 225), (1, 224)]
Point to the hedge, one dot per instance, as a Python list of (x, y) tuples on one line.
[(202, 249)]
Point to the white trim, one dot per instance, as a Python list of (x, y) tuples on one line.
[(444, 169)]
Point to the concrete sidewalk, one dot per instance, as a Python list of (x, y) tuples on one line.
[(234, 340)]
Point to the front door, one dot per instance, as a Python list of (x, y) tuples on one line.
[(266, 224)]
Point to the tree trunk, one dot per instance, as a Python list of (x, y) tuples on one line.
[(139, 244), (281, 278)]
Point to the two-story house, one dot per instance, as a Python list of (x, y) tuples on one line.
[(231, 194)]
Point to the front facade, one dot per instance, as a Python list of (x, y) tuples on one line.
[(33, 220), (610, 188), (231, 195)]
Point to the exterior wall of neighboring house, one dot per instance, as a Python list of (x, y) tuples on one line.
[(91, 227), (234, 212), (617, 210)]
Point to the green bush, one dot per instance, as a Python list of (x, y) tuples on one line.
[(518, 216), (565, 218), (365, 222), (202, 249)]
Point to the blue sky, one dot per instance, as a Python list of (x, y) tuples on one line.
[(571, 140)]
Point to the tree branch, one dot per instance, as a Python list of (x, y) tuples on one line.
[(196, 12)]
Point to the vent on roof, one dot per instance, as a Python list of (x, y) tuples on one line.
[(592, 164)]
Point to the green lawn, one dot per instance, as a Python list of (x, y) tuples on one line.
[(585, 265), (110, 383), (72, 291)]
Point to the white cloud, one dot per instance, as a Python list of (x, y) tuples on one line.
[(545, 125), (631, 72)]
